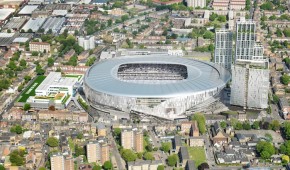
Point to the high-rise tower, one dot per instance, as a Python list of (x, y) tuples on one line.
[(223, 48)]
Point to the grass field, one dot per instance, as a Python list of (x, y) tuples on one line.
[(197, 154), (74, 76), (30, 90), (71, 144)]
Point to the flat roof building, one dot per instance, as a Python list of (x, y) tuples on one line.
[(34, 24), (54, 83), (39, 46), (4, 14), (28, 9), (15, 23), (98, 151), (54, 24)]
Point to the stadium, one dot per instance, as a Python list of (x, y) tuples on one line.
[(157, 85)]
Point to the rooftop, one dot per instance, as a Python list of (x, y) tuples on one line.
[(103, 77), (34, 24), (55, 79), (28, 9), (5, 12)]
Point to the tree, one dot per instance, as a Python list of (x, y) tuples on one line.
[(79, 151), (22, 63), (222, 18), (275, 99), (20, 88), (27, 78), (265, 149), (256, 125), (267, 6), (148, 156), (286, 130), (76, 33), (124, 18), (73, 61), (223, 124), (52, 142), (172, 160), (34, 53), (41, 168), (199, 117), (139, 155), (116, 30), (39, 70), (286, 32), (80, 135), (160, 167), (165, 146), (246, 125), (279, 32), (203, 166), (275, 125), (174, 36), (108, 165), (208, 35), (285, 148), (265, 125), (16, 129), (26, 106), (149, 147), (269, 137), (117, 131), (110, 21), (238, 126), (17, 157), (285, 79), (213, 16), (285, 158), (50, 61), (128, 155), (30, 31), (97, 167)]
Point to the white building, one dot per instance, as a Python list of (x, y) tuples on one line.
[(87, 42), (223, 48), (196, 3), (245, 41), (57, 162), (54, 90), (55, 83), (250, 74), (250, 86)]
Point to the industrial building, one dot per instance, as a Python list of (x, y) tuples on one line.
[(27, 10), (4, 15), (54, 24), (34, 24), (15, 23)]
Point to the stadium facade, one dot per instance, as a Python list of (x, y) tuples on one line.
[(159, 85)]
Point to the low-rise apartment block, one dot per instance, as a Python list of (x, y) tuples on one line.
[(39, 46)]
